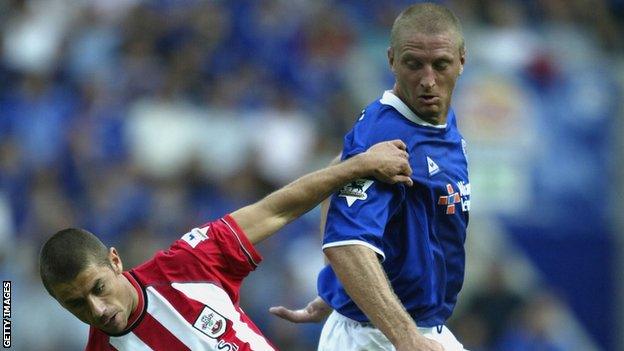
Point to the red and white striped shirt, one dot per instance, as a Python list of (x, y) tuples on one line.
[(189, 296)]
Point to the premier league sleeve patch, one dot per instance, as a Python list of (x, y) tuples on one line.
[(196, 236), (211, 323), (356, 190)]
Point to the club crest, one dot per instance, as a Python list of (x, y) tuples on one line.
[(211, 323)]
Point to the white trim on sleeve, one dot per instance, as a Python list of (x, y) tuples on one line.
[(356, 242), (240, 242)]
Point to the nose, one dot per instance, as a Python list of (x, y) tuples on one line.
[(97, 307), (428, 79)]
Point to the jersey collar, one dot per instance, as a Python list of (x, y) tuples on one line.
[(390, 99), (140, 307)]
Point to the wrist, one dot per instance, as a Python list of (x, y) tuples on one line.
[(408, 334), (414, 339), (362, 167)]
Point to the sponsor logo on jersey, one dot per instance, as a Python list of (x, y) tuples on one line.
[(456, 197), (464, 192), (211, 323), (356, 190), (196, 236), (432, 167), (463, 142), (226, 346)]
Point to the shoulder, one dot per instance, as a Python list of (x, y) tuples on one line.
[(378, 117), (217, 250), (195, 250), (377, 122)]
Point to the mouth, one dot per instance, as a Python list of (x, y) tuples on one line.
[(108, 321), (429, 99)]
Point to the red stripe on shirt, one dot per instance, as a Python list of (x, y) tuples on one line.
[(157, 337)]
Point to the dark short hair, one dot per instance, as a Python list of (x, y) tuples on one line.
[(427, 18), (66, 253)]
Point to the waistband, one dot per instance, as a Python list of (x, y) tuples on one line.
[(423, 330)]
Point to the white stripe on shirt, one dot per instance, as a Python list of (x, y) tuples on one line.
[(175, 323), (218, 300), (128, 342)]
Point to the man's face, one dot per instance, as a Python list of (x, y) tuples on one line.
[(426, 67), (99, 295)]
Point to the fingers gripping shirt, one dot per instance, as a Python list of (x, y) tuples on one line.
[(418, 232), (190, 294)]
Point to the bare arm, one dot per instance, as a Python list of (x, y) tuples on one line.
[(370, 290), (386, 161), (325, 205)]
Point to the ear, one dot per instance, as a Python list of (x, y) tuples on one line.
[(115, 260), (462, 60), (391, 59)]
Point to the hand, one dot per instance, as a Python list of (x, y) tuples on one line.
[(389, 162), (420, 343), (316, 311)]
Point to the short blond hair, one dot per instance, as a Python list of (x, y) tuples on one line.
[(426, 18)]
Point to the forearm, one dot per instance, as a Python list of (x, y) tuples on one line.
[(386, 161), (308, 191), (364, 280), (268, 215)]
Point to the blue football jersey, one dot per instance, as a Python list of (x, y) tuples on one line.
[(418, 232)]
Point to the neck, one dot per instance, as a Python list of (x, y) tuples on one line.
[(437, 120), (134, 295)]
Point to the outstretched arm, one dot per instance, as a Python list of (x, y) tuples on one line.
[(386, 161)]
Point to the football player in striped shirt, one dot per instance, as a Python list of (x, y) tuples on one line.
[(187, 297)]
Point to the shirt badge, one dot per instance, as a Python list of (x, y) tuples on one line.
[(356, 190), (432, 166), (210, 323), (196, 236)]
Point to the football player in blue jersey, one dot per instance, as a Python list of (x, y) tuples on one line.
[(396, 252)]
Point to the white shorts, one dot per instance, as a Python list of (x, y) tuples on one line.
[(345, 334)]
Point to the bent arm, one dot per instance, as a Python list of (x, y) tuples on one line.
[(270, 214), (364, 280)]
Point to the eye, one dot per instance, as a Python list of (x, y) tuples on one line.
[(98, 289), (441, 65), (412, 64)]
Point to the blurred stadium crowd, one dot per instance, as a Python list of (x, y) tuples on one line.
[(140, 119)]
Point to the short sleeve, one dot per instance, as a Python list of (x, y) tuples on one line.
[(354, 142), (359, 212), (222, 245), (239, 253)]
